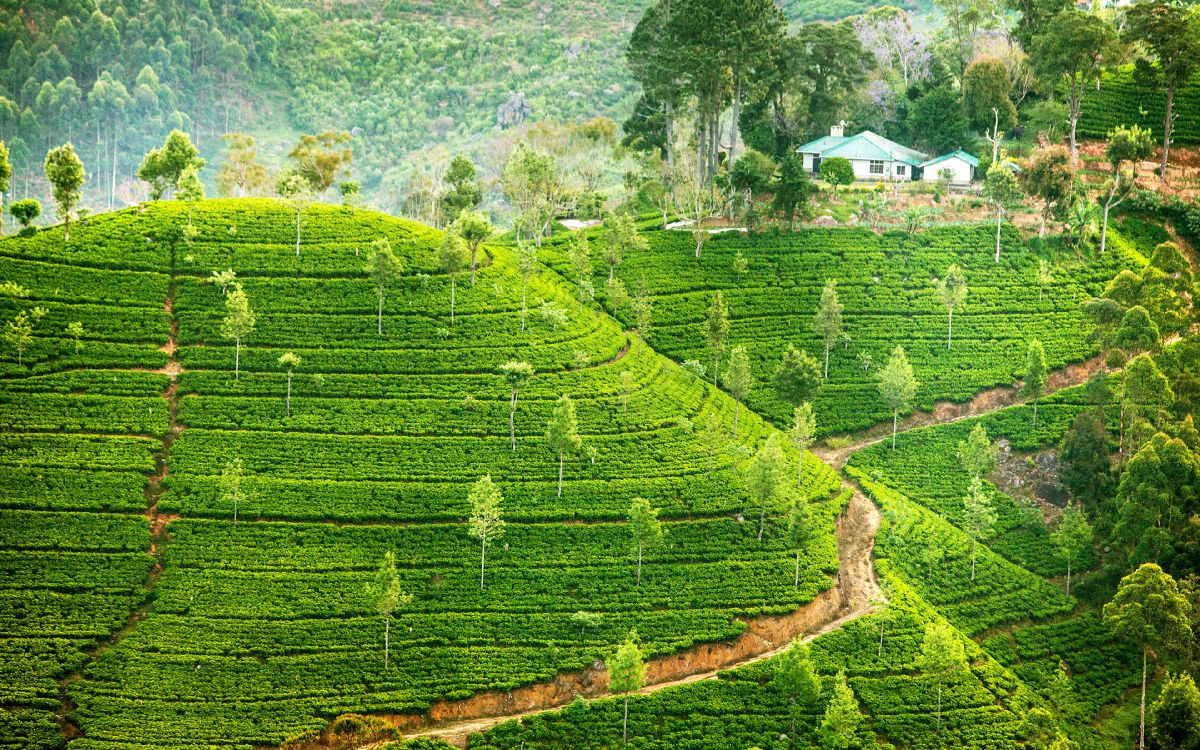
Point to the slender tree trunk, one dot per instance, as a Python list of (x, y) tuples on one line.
[(474, 250), (716, 364), (800, 469), (289, 394), (999, 218), (733, 126), (762, 519), (1068, 576), (827, 358), (67, 226), (879, 653), (1035, 412), (237, 357), (895, 419), (625, 725), (524, 288), (796, 577), (1072, 122), (1168, 126), (737, 406), (1142, 720), (452, 285), (297, 233), (387, 639), (482, 559), (112, 194), (639, 570), (512, 416), (560, 472), (1104, 224), (379, 316), (950, 328), (235, 509), (612, 265)]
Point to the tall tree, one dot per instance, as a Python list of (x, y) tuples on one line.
[(897, 386), (5, 176), (716, 330), (64, 170), (230, 485), (952, 288), (297, 191), (621, 237), (752, 33), (737, 380), (1000, 187), (793, 188), (474, 228), (843, 717), (942, 655), (1172, 33), (190, 191), (1050, 178), (384, 268), (526, 267), (387, 596), (799, 531), (986, 91), (579, 255), (562, 433), (1084, 464), (164, 166), (764, 477), (241, 173), (486, 522), (1034, 384), (979, 517), (645, 527), (1072, 537), (627, 674), (798, 376), (802, 434), (1126, 145), (1149, 610), (464, 192), (795, 677), (977, 454), (322, 159), (238, 323), (289, 361), (827, 322), (1075, 47), (452, 257), (516, 374)]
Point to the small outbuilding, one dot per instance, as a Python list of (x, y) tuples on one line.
[(959, 164)]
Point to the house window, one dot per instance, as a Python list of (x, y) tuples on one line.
[(876, 167), (899, 170)]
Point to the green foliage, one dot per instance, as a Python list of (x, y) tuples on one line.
[(837, 171), (164, 167), (25, 211), (1174, 716)]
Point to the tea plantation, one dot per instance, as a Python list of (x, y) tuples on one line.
[(888, 287), (137, 613)]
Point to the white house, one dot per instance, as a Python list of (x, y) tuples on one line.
[(872, 156), (960, 165)]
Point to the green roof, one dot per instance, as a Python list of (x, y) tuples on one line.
[(974, 162), (868, 146), (823, 143)]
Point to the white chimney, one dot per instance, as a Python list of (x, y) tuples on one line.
[(838, 130)]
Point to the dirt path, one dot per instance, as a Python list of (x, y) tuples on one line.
[(854, 595), (944, 412)]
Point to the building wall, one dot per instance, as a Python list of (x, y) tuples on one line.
[(862, 171), (961, 169)]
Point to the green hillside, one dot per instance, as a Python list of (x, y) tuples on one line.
[(887, 284), (251, 632)]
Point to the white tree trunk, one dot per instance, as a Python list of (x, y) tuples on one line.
[(524, 288), (895, 419), (289, 394), (560, 472), (639, 567), (474, 251), (1142, 720), (482, 558), (512, 417), (379, 316), (387, 639), (297, 233), (452, 290), (625, 725), (999, 218), (950, 328), (796, 577), (827, 359), (737, 407), (237, 357)]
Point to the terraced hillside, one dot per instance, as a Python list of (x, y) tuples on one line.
[(1027, 645), (887, 284), (139, 605)]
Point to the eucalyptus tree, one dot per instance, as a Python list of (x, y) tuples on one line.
[(827, 322), (764, 477), (475, 229), (64, 170), (289, 361), (562, 433), (716, 330), (1126, 145), (627, 674), (897, 386), (239, 322), (526, 268), (384, 268), (737, 379), (487, 521), (645, 527), (388, 596), (802, 434), (952, 288), (516, 374), (942, 654), (452, 256), (1034, 384)]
